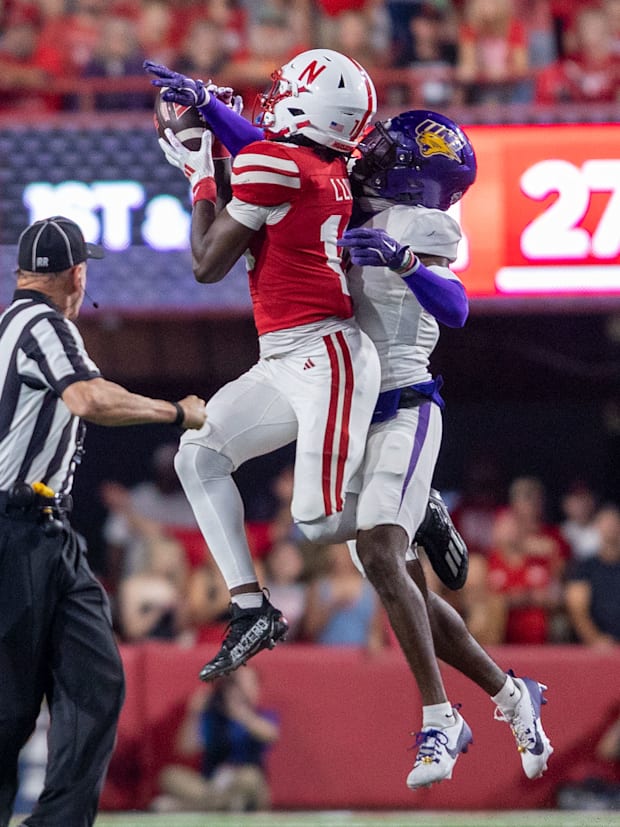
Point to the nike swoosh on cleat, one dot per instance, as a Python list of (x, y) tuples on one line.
[(538, 747), (464, 740)]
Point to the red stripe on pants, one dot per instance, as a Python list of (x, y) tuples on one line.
[(343, 448), (334, 344)]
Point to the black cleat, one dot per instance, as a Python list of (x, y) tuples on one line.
[(249, 632), (445, 548)]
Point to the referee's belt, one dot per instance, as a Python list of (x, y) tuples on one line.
[(21, 501)]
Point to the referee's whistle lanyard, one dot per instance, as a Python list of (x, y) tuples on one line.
[(76, 459)]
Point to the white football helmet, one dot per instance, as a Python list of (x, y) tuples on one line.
[(323, 95)]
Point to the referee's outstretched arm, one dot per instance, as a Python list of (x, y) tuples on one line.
[(106, 403)]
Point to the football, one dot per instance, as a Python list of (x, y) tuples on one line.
[(185, 121)]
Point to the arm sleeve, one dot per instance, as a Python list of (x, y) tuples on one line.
[(442, 295), (232, 129), (254, 216)]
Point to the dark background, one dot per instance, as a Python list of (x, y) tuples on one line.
[(537, 394)]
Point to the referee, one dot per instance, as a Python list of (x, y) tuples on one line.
[(56, 636)]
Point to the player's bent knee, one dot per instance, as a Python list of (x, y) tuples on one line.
[(194, 462), (382, 551), (332, 529), (335, 528), (324, 530), (115, 695)]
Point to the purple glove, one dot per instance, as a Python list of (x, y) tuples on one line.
[(180, 89), (373, 248)]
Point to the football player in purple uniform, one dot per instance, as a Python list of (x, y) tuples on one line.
[(401, 242)]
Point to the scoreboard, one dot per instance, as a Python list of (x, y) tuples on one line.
[(543, 218)]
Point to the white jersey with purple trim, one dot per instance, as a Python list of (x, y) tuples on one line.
[(402, 451), (403, 332)]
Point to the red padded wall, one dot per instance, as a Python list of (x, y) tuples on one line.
[(346, 720)]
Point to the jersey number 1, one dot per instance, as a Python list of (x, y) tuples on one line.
[(330, 232)]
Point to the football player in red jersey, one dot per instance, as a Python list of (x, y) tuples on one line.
[(317, 377)]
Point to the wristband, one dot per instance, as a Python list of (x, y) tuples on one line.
[(409, 265), (180, 417), (204, 190)]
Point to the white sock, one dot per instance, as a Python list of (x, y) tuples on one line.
[(508, 696), (438, 716), (248, 600)]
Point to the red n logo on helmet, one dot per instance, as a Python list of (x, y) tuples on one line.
[(312, 72)]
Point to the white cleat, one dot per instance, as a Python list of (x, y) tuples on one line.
[(532, 742), (438, 750)]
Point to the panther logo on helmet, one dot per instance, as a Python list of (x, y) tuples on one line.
[(321, 94), (436, 139), (417, 157)]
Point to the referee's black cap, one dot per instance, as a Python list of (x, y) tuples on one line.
[(53, 245)]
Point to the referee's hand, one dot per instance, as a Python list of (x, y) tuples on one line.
[(195, 412)]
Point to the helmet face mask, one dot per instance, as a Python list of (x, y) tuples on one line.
[(278, 91), (419, 157), (322, 95)]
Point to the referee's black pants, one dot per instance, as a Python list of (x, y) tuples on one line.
[(56, 642)]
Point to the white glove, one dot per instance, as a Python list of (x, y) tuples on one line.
[(197, 165), (225, 95)]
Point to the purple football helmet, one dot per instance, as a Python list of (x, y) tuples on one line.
[(418, 157)]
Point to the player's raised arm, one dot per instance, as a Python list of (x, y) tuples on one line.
[(219, 107), (217, 241)]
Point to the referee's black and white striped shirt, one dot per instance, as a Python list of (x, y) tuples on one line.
[(41, 354)]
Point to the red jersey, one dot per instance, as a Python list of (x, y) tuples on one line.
[(527, 623), (579, 81), (294, 267)]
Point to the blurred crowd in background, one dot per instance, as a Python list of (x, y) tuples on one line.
[(532, 580), (434, 53)]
